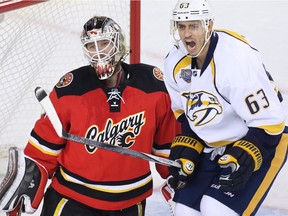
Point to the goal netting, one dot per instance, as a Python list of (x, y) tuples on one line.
[(38, 44)]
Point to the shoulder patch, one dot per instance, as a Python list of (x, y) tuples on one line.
[(158, 73), (65, 80)]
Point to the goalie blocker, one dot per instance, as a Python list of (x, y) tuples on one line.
[(22, 188)]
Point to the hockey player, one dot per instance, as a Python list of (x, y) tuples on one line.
[(234, 135), (120, 104)]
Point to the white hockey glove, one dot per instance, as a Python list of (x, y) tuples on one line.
[(167, 193), (22, 188), (239, 162)]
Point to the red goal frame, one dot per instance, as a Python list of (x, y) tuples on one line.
[(8, 5)]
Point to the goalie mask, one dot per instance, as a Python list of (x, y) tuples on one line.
[(103, 44)]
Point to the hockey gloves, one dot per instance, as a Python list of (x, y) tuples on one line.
[(23, 186), (185, 150), (239, 162)]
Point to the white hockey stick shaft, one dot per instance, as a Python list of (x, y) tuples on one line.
[(47, 105)]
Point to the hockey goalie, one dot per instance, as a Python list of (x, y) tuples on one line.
[(23, 186)]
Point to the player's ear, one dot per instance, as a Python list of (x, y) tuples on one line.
[(211, 24)]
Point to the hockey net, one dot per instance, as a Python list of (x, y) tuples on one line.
[(38, 44)]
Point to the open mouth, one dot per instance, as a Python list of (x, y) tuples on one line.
[(191, 44), (190, 47)]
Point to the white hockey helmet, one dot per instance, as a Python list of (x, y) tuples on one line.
[(187, 10), (103, 59)]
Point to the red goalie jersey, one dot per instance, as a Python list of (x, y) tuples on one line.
[(135, 115)]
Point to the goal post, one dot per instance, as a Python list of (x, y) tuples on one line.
[(41, 42), (135, 29)]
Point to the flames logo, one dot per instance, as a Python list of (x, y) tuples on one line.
[(158, 73), (201, 107), (65, 80), (122, 133)]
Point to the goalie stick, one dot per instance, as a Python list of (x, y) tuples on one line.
[(47, 105)]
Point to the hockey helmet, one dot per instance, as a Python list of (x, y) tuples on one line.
[(187, 10), (103, 45), (192, 10)]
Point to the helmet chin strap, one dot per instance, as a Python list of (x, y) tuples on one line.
[(204, 44), (207, 38)]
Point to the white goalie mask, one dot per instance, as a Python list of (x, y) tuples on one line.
[(103, 45), (192, 10)]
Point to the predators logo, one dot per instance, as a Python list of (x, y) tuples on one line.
[(201, 107)]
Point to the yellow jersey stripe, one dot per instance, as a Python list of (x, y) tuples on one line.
[(270, 176)]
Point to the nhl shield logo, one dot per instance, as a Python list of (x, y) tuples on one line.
[(186, 75)]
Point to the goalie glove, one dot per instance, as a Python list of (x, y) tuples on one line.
[(239, 162), (167, 192), (22, 188), (186, 150)]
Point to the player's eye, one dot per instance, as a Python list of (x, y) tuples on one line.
[(91, 46), (194, 26), (180, 26)]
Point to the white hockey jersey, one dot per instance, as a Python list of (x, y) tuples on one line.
[(231, 93)]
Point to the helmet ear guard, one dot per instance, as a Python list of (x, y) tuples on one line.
[(103, 45)]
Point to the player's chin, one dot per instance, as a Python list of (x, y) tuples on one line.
[(192, 50), (193, 53)]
